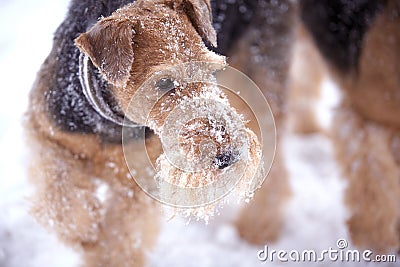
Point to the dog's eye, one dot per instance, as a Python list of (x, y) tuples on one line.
[(165, 84)]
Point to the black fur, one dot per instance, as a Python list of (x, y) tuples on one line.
[(233, 18), (66, 103), (266, 25), (338, 28), (230, 19)]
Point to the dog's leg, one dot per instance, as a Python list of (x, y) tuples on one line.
[(306, 74), (64, 199), (113, 222), (263, 53), (129, 227), (131, 219), (262, 219), (363, 135), (91, 204), (364, 152)]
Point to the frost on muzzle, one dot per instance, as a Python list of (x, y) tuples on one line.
[(215, 134)]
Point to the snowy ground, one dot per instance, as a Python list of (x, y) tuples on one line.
[(314, 217)]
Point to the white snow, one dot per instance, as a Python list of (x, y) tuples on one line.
[(314, 217)]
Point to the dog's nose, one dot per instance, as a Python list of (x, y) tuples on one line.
[(226, 159)]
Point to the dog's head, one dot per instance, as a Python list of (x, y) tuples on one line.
[(142, 40), (149, 53), (136, 39)]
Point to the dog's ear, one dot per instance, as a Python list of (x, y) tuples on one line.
[(200, 14), (109, 46)]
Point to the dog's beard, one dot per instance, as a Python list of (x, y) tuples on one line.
[(207, 150), (216, 179), (192, 175)]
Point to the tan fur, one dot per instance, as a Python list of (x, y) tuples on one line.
[(363, 149), (306, 74), (375, 90)]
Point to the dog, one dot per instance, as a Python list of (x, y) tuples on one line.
[(84, 190), (360, 42), (77, 131), (357, 44)]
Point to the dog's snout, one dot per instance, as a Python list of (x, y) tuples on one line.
[(226, 159)]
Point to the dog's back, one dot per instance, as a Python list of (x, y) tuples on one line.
[(65, 104)]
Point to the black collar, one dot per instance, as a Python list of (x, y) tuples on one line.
[(98, 93)]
